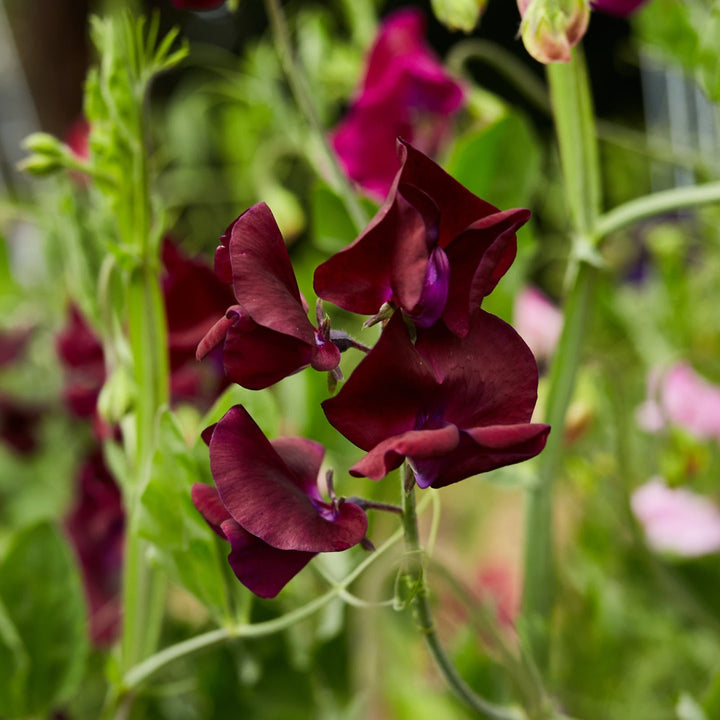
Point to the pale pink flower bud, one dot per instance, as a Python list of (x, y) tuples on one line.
[(550, 28)]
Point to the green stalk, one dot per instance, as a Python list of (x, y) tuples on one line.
[(414, 579), (680, 198), (572, 110), (304, 99)]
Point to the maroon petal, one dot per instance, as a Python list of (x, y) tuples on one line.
[(478, 258), (389, 454), (265, 497), (488, 377), (386, 392), (358, 277), (257, 357), (263, 569), (207, 502), (458, 207), (263, 278), (217, 332), (481, 450), (303, 458)]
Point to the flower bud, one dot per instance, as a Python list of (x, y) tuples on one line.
[(459, 14), (41, 165), (551, 27), (43, 144)]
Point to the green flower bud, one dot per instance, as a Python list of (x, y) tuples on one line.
[(459, 14), (551, 27)]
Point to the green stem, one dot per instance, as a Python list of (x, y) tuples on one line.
[(137, 675), (414, 578), (304, 99), (507, 65), (572, 109), (658, 203)]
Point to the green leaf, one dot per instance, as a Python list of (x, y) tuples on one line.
[(43, 632), (500, 163), (187, 546), (458, 14)]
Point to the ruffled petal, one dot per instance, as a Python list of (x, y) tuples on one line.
[(386, 392), (208, 503), (265, 497), (489, 377), (262, 569), (478, 258), (390, 454), (263, 278), (481, 450)]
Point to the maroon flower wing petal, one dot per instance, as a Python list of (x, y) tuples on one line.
[(263, 278), (217, 332), (458, 206), (358, 278), (478, 258), (303, 458), (257, 357), (194, 299), (489, 377), (483, 449), (386, 392), (260, 493), (262, 569), (389, 454), (208, 503)]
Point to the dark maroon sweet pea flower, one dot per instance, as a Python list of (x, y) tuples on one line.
[(96, 526), (266, 336), (267, 504), (406, 92), (81, 355), (454, 407), (434, 249), (620, 8)]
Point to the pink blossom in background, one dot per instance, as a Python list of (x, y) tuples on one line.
[(676, 520), (406, 93), (498, 585), (538, 321), (681, 397), (621, 8)]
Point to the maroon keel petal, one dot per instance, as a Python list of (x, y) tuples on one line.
[(389, 455), (263, 569)]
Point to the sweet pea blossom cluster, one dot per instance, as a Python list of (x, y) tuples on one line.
[(448, 388)]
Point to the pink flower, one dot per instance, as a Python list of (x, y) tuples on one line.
[(406, 93), (681, 397), (677, 520), (538, 321)]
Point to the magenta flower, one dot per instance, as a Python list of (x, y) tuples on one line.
[(677, 520), (96, 526), (267, 504), (621, 8), (406, 92), (266, 336), (538, 321), (683, 398), (454, 407), (434, 249)]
